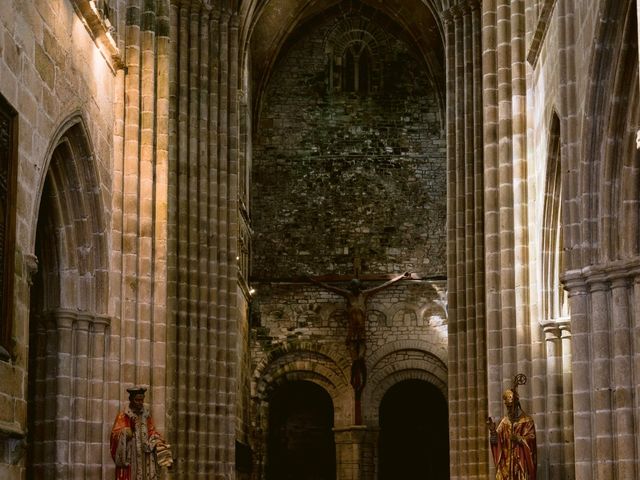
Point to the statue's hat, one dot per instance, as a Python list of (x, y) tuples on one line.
[(136, 389)]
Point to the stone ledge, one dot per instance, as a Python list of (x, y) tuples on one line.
[(12, 430), (101, 31)]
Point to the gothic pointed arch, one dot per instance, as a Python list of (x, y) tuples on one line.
[(72, 210), (555, 323), (602, 273), (620, 202), (67, 321), (270, 27), (608, 155), (554, 305)]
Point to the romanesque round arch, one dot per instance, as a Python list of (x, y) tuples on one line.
[(320, 364), (437, 349), (390, 366)]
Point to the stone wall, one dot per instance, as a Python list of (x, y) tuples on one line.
[(57, 78), (299, 332), (285, 314), (342, 174), (347, 180)]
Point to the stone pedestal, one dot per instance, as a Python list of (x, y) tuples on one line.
[(356, 447)]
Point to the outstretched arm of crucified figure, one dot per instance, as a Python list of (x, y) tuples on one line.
[(331, 288), (373, 290)]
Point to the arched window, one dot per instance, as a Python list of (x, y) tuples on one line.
[(356, 69), (554, 300), (353, 63)]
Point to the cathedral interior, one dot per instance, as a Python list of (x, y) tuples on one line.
[(190, 188)]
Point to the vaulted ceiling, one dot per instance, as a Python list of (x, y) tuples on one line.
[(268, 24)]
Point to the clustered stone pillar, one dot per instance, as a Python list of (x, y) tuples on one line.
[(505, 176), (558, 413), (465, 244), (356, 448), (604, 306), (203, 237), (601, 237), (514, 344), (138, 253), (69, 394)]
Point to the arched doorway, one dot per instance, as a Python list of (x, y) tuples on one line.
[(300, 439), (414, 435), (67, 321)]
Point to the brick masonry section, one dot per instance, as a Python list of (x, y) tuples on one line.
[(339, 175)]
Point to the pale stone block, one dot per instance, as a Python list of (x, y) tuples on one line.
[(45, 67)]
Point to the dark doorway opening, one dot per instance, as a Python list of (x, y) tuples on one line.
[(300, 442), (42, 391), (414, 433)]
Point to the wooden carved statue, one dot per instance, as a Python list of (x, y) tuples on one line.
[(513, 442), (356, 298), (137, 448)]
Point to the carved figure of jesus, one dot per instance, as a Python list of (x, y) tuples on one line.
[(356, 299)]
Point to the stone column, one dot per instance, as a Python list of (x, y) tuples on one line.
[(63, 398), (638, 23), (203, 237), (567, 401), (79, 398), (465, 242), (553, 400), (70, 437), (555, 445), (604, 354), (356, 452), (627, 464), (140, 208), (581, 377)]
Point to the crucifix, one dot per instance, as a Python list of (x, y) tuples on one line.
[(356, 298)]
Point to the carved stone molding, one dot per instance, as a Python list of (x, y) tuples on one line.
[(541, 32), (463, 7), (101, 30), (554, 327), (593, 275), (65, 318)]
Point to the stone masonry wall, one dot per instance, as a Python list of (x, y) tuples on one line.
[(339, 175), (53, 74), (347, 181), (289, 314)]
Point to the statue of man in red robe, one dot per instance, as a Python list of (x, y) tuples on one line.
[(137, 447), (513, 442)]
